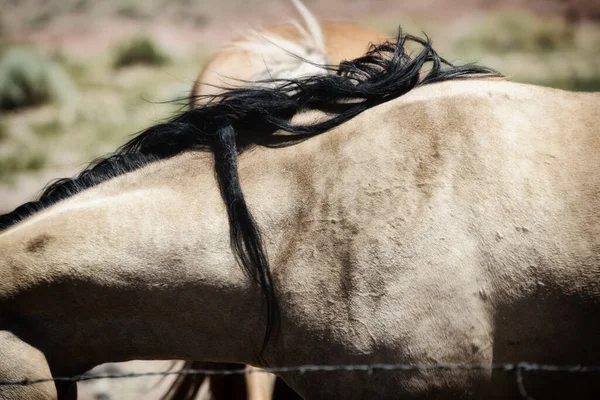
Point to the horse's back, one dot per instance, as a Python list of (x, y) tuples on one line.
[(459, 223)]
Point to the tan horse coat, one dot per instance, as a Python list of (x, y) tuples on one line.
[(458, 223)]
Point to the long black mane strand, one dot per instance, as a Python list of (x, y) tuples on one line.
[(236, 119)]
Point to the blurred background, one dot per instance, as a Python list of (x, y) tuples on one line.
[(78, 77)]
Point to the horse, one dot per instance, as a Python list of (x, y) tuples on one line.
[(285, 51), (368, 216)]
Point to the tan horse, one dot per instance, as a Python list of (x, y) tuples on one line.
[(282, 52), (442, 221)]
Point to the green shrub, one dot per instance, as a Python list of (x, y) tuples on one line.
[(507, 32), (139, 50), (29, 79)]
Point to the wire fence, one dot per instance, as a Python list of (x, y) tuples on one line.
[(518, 368)]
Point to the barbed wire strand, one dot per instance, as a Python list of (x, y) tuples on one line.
[(518, 368)]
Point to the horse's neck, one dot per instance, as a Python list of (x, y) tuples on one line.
[(138, 267)]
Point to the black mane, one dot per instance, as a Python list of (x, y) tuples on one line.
[(239, 118)]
